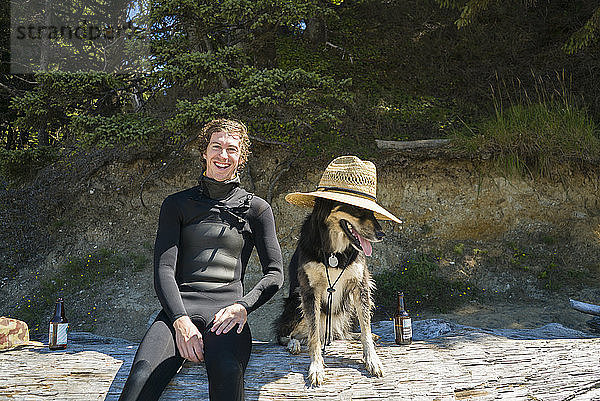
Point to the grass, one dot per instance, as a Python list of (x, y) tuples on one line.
[(423, 288), (535, 135)]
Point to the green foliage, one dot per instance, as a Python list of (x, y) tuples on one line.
[(410, 117), (233, 71), (521, 259), (82, 109), (423, 287), (535, 134), (66, 20), (283, 105), (295, 54), (121, 129), (60, 98), (58, 94), (459, 249), (379, 70), (471, 9), (224, 36), (202, 70), (585, 36)]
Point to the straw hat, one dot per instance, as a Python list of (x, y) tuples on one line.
[(349, 180)]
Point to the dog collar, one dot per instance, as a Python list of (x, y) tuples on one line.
[(340, 260), (332, 261)]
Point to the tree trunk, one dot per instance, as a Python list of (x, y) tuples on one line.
[(43, 137), (316, 30), (209, 48), (585, 307), (264, 48), (11, 139), (45, 49)]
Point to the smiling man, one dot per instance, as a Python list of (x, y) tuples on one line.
[(222, 156), (204, 240), (225, 149)]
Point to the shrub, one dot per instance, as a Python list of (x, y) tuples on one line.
[(423, 288)]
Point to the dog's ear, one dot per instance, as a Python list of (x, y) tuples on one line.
[(321, 209)]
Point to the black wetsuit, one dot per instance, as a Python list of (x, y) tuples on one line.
[(205, 237)]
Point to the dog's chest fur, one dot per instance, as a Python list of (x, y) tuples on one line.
[(317, 278)]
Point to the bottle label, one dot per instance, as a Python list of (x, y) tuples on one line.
[(403, 329), (407, 329), (58, 333)]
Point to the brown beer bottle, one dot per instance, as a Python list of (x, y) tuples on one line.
[(402, 323), (57, 335)]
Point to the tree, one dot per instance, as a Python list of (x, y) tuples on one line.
[(208, 59), (221, 58), (471, 9)]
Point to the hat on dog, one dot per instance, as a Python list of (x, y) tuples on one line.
[(349, 180)]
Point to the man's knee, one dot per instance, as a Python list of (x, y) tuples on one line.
[(140, 372)]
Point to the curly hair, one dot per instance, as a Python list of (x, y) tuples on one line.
[(233, 127)]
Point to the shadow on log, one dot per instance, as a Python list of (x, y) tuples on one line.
[(445, 361)]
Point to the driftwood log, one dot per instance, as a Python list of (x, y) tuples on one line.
[(445, 362), (590, 309), (408, 145)]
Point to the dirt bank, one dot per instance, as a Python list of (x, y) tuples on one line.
[(525, 244)]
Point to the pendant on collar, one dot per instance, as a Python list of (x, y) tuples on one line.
[(333, 260)]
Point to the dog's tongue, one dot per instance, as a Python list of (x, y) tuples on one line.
[(364, 244)]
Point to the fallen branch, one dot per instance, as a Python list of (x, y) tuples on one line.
[(590, 309), (8, 88), (344, 51), (407, 145)]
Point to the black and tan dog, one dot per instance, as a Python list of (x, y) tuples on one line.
[(331, 259)]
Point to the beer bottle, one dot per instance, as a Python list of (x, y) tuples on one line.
[(402, 323), (57, 335)]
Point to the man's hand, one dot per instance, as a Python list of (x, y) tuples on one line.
[(189, 340), (228, 317)]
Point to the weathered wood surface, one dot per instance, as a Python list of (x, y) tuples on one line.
[(590, 309), (445, 362), (408, 145)]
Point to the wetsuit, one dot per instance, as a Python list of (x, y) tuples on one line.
[(204, 240)]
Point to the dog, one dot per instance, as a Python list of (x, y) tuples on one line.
[(335, 233)]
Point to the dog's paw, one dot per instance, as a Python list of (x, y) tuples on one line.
[(316, 374), (283, 340), (373, 364), (294, 346)]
